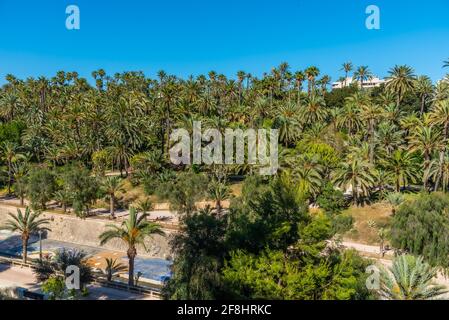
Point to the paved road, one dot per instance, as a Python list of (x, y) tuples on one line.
[(24, 277)]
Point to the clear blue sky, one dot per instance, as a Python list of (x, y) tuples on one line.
[(194, 37)]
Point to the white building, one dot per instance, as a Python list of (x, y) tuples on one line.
[(370, 83)]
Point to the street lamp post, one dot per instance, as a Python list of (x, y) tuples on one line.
[(40, 244)]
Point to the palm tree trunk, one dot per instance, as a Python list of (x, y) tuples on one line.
[(423, 99), (24, 249), (371, 142), (131, 257), (9, 177), (112, 206)]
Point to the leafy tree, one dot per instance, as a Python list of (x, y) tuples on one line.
[(199, 250), (84, 188), (41, 187), (21, 189), (54, 287), (331, 200), (184, 192), (420, 227)]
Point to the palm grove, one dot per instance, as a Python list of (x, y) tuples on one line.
[(60, 135)]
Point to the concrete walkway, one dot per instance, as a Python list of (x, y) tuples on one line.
[(24, 278)]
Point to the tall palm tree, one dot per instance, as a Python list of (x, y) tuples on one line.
[(241, 76), (389, 137), (312, 73), (314, 110), (10, 155), (26, 224), (347, 68), (400, 81), (358, 175), (371, 113), (404, 167), (299, 79), (362, 74), (426, 140), (134, 231), (324, 82), (286, 120), (409, 278), (112, 185), (424, 88)]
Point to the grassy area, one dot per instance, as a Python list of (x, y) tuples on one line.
[(361, 231)]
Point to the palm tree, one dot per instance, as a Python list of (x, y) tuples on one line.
[(113, 267), (404, 167), (409, 278), (145, 205), (395, 199), (308, 172), (400, 81), (325, 81), (371, 113), (10, 155), (439, 171), (311, 73), (314, 110), (241, 76), (347, 67), (358, 175), (299, 79), (424, 88), (112, 185), (381, 234), (26, 224), (219, 192), (133, 232), (446, 64), (426, 140), (287, 122), (362, 74), (389, 137), (64, 197)]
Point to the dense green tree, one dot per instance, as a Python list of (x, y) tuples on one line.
[(420, 226), (41, 187)]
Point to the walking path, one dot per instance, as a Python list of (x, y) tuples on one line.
[(24, 278)]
